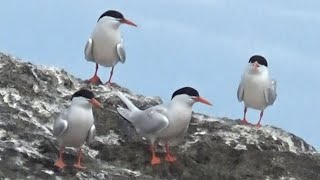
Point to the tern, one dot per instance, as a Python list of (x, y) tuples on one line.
[(256, 89), (165, 123), (105, 47), (75, 125)]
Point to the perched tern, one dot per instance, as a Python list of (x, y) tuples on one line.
[(105, 46), (256, 89), (75, 125), (163, 122)]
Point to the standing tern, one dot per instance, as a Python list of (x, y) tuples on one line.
[(256, 89), (163, 122), (105, 46), (75, 125)]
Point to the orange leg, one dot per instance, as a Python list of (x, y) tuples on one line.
[(111, 73), (169, 157), (154, 160), (259, 125), (59, 163), (244, 120), (78, 164), (95, 79)]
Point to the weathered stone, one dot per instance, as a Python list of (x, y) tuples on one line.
[(214, 148)]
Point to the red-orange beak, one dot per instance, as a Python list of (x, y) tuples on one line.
[(202, 100), (256, 65), (126, 21), (96, 103)]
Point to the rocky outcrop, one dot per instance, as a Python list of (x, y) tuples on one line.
[(214, 148)]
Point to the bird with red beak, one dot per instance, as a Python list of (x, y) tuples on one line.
[(105, 47), (256, 89), (164, 123), (75, 125)]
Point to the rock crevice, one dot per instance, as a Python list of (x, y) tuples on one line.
[(32, 96)]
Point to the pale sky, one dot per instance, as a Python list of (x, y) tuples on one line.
[(200, 43)]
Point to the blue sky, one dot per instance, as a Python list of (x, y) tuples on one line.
[(200, 43)]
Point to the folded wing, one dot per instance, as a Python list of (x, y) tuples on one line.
[(270, 92), (121, 52), (156, 120), (60, 124), (88, 50), (240, 91), (91, 134)]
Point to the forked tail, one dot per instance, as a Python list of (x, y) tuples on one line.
[(131, 107)]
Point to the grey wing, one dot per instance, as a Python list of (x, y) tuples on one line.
[(88, 50), (154, 121), (91, 134), (240, 91), (270, 92), (121, 52), (60, 125)]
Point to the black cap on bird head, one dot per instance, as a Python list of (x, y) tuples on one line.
[(112, 13), (186, 90), (118, 16), (88, 95), (259, 59), (83, 93), (194, 94)]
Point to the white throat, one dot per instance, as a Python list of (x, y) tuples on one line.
[(261, 71), (81, 102)]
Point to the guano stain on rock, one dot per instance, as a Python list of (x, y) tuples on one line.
[(31, 97)]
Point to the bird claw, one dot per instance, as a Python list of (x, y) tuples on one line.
[(258, 125), (244, 122), (155, 161), (170, 158), (79, 166), (94, 80), (60, 164), (111, 84)]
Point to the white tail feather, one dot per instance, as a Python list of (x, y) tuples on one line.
[(128, 103), (125, 113)]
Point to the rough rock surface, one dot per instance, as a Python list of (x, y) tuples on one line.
[(214, 148)]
